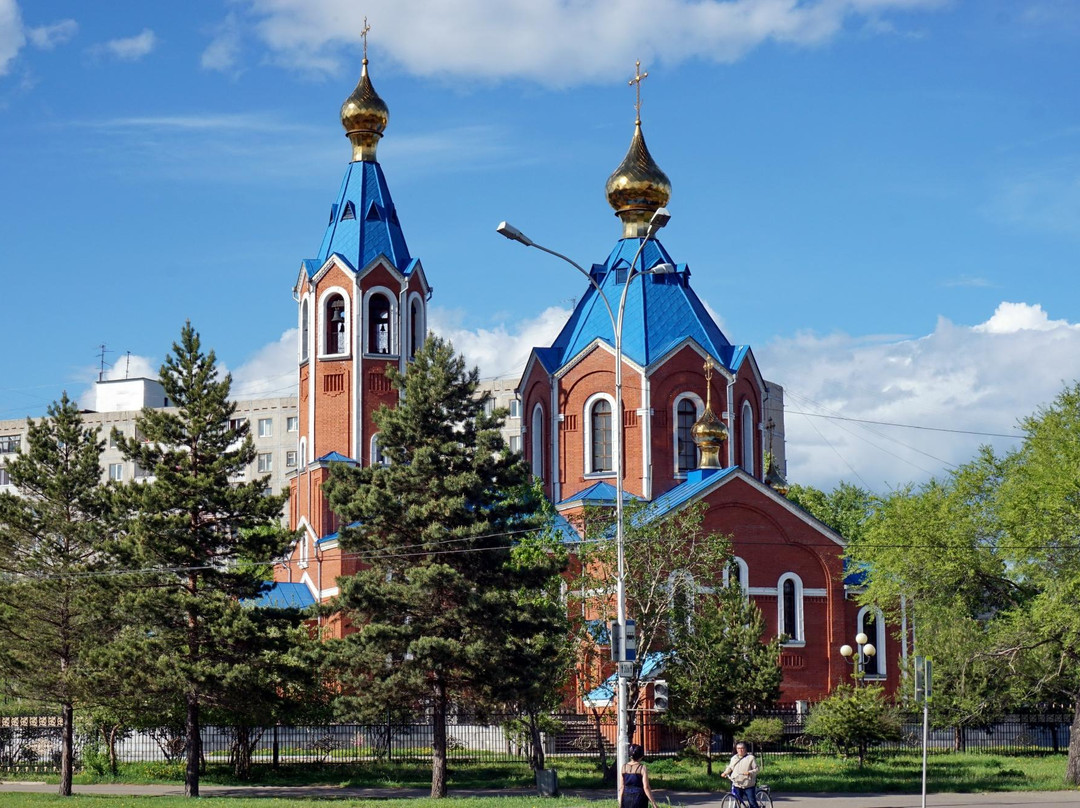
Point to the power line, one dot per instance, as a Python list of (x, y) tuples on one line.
[(905, 426)]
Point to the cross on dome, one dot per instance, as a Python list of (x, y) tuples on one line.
[(635, 82)]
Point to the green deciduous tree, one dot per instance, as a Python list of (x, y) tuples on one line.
[(845, 509), (664, 554), (1039, 505), (853, 719), (55, 597), (202, 539), (443, 609), (720, 671)]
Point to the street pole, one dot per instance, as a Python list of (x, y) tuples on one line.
[(659, 218)]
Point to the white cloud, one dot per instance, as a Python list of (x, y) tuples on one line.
[(552, 41), (500, 350), (128, 49), (270, 372), (223, 52), (48, 37), (12, 37), (981, 378)]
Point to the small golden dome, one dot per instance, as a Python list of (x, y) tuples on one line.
[(637, 187), (709, 433), (364, 116), (775, 480)]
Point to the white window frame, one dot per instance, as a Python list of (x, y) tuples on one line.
[(321, 322), (746, 430), (744, 574), (305, 328), (393, 347), (798, 636), (292, 423), (515, 408), (5, 478), (293, 454), (376, 456), (700, 406), (268, 466), (303, 453), (116, 472), (269, 424), (510, 443), (536, 441), (878, 640), (590, 402)]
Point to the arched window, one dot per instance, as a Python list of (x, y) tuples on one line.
[(737, 574), (416, 328), (377, 458), (304, 331), (379, 333), (334, 330), (682, 591), (599, 436), (871, 622), (747, 438), (537, 442), (303, 453), (790, 617), (686, 415)]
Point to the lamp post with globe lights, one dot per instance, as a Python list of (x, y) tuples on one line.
[(858, 656)]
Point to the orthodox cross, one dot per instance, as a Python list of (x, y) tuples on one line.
[(637, 79), (708, 375), (363, 36)]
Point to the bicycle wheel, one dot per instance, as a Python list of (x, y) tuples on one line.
[(764, 799), (729, 801)]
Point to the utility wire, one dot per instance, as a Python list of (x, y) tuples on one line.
[(905, 426)]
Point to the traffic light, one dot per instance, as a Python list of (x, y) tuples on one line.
[(660, 696)]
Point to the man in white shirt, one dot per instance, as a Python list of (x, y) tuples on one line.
[(743, 771)]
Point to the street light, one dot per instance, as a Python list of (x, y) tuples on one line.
[(659, 218), (865, 651)]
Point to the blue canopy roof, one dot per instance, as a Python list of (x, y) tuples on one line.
[(363, 223), (661, 311), (284, 596), (336, 457), (597, 494), (605, 693)]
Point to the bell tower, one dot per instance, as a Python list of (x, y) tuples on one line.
[(361, 307)]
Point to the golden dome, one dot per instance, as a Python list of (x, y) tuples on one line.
[(775, 480), (637, 187), (364, 116), (709, 432)]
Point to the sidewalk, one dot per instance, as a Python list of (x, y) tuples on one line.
[(1048, 799)]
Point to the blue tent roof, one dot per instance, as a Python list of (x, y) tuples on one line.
[(605, 693), (336, 457), (363, 222), (597, 493), (855, 574), (284, 596), (661, 311)]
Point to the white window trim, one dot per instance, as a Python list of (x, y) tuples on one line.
[(798, 637), (270, 427), (744, 574), (269, 457), (302, 458), (700, 405), (304, 345), (878, 640), (536, 442), (292, 419), (746, 428), (395, 338), (321, 325), (590, 402), (419, 299), (374, 451)]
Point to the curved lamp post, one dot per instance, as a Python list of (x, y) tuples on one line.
[(660, 218), (858, 658)]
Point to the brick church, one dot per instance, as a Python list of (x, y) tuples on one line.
[(700, 422)]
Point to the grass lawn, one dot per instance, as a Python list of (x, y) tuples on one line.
[(895, 773), (11, 800)]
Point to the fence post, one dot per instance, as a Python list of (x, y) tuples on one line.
[(277, 751)]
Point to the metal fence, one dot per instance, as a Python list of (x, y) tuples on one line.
[(32, 743)]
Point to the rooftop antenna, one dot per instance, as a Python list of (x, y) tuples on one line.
[(127, 365), (101, 362)]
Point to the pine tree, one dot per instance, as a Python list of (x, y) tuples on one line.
[(719, 669), (441, 593), (202, 540), (54, 592)]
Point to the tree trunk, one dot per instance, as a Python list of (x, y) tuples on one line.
[(959, 738), (631, 710), (537, 742), (1072, 767), (113, 732), (438, 742), (194, 744), (67, 748)]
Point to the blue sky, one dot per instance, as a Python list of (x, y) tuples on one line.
[(881, 196)]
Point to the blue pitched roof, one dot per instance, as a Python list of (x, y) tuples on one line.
[(597, 493), (336, 457), (855, 574), (363, 222), (284, 596), (605, 693), (696, 482), (661, 311)]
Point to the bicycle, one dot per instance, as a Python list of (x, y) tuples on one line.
[(764, 799)]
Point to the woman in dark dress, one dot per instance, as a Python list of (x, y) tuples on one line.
[(634, 791)]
